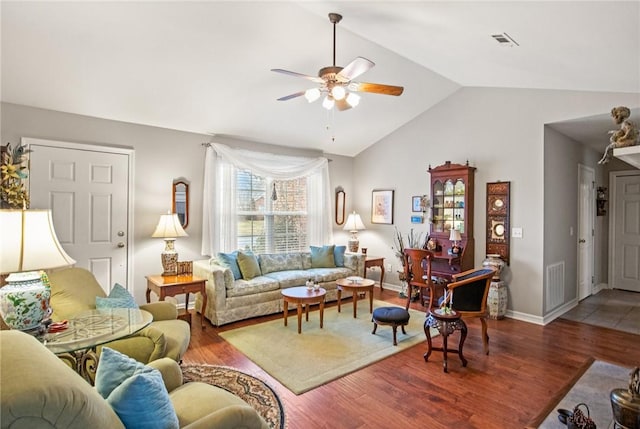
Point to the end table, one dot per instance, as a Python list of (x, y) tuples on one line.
[(164, 286)]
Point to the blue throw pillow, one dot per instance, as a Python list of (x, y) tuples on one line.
[(338, 255), (119, 297), (135, 391), (231, 260), (322, 257)]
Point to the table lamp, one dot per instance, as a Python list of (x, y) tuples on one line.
[(169, 228), (353, 224), (28, 243), (455, 237)]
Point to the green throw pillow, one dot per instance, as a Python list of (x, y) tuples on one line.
[(338, 255), (119, 297), (231, 260), (249, 266), (322, 257), (135, 391)]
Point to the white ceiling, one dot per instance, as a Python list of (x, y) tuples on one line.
[(205, 66)]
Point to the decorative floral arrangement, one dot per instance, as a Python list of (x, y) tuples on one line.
[(414, 241), (13, 170)]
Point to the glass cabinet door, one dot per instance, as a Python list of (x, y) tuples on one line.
[(438, 206)]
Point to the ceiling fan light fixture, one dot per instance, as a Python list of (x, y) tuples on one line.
[(353, 99), (338, 92), (312, 94), (328, 102)]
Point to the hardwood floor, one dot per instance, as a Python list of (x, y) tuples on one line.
[(528, 365)]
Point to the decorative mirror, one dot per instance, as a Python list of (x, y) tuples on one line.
[(340, 209), (181, 201)]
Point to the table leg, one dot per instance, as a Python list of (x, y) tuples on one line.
[(321, 313), (445, 334), (306, 311), (427, 332), (204, 305), (381, 276), (148, 295), (339, 297), (463, 336), (355, 303), (299, 317), (286, 311), (371, 300)]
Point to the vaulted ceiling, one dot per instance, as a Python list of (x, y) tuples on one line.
[(205, 66)]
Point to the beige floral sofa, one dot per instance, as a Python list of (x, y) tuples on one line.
[(230, 299)]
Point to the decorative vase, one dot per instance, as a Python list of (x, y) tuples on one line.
[(24, 301), (625, 403), (498, 295)]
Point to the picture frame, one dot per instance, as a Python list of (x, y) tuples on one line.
[(416, 203), (382, 206)]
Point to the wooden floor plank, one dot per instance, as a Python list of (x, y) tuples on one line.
[(528, 367)]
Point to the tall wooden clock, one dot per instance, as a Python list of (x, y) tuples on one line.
[(498, 202)]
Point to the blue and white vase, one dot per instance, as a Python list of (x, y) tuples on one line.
[(24, 301)]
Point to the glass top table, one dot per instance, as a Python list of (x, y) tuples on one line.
[(87, 330)]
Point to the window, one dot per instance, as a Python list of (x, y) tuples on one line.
[(271, 214)]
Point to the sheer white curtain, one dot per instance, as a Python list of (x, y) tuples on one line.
[(219, 209)]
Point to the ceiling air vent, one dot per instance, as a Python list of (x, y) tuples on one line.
[(505, 40)]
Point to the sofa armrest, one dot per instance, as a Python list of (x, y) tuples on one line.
[(161, 310), (233, 416), (355, 262), (144, 346), (218, 279)]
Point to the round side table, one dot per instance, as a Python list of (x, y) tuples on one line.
[(446, 324)]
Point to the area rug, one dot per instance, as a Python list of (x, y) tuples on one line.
[(592, 386), (253, 391), (305, 361)]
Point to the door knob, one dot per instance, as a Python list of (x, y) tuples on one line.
[(582, 240), (121, 244)]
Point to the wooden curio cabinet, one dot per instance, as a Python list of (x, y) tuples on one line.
[(452, 189)]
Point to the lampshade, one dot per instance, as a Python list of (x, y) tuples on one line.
[(455, 235), (169, 227), (29, 242), (353, 223)]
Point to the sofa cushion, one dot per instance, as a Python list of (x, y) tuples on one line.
[(230, 260), (338, 255), (255, 285), (290, 278), (322, 257), (119, 297), (329, 274), (136, 392), (248, 264), (272, 262)]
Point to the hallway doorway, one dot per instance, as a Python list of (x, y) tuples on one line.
[(610, 308)]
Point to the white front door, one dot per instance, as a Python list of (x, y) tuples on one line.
[(625, 232), (586, 225), (87, 189)]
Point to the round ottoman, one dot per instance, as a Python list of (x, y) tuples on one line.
[(394, 316)]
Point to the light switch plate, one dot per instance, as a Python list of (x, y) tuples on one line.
[(516, 232)]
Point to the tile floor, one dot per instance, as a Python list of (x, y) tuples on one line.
[(611, 308)]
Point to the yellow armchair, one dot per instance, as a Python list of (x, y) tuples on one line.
[(74, 290)]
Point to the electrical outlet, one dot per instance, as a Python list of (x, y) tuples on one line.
[(389, 267), (516, 232)]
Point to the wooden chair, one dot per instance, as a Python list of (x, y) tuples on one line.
[(417, 272), (467, 295)]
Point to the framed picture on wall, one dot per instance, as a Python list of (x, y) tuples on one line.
[(382, 206), (416, 204)]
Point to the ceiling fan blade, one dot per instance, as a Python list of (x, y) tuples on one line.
[(377, 88), (304, 76), (290, 96), (342, 105), (354, 69)]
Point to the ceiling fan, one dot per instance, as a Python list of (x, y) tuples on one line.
[(336, 82)]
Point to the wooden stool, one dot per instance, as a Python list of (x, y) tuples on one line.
[(394, 316)]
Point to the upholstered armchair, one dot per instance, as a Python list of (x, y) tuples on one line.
[(74, 290), (467, 295), (41, 391)]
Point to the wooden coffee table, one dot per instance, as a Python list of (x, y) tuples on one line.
[(303, 296), (362, 286)]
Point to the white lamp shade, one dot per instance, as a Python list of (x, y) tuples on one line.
[(169, 227), (353, 223), (29, 242), (455, 235)]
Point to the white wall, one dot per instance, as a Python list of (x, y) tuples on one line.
[(501, 133), (161, 155)]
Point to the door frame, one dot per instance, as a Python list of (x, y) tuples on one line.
[(130, 153)]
